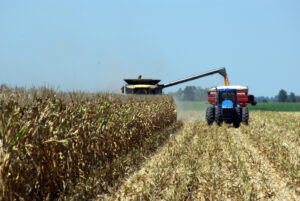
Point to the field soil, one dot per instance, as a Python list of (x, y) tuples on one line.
[(200, 162)]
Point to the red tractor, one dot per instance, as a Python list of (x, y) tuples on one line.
[(229, 104)]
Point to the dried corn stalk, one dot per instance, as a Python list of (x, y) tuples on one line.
[(51, 140)]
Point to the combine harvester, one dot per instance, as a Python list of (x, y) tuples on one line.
[(229, 103)]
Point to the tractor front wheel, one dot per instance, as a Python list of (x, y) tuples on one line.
[(236, 124), (237, 118)]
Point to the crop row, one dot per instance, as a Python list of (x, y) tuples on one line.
[(277, 135), (222, 163)]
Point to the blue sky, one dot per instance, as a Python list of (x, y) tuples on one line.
[(92, 45)]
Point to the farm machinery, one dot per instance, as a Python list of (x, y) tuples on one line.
[(152, 86), (229, 103)]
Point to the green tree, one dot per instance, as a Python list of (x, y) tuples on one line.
[(189, 93), (201, 94), (179, 94), (292, 97), (282, 96)]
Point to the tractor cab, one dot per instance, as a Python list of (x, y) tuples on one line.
[(227, 98)]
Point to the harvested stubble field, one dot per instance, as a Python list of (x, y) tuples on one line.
[(256, 162)]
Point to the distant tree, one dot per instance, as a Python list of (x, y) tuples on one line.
[(274, 99), (292, 97), (4, 86), (263, 99), (179, 94), (201, 94), (282, 96), (189, 93)]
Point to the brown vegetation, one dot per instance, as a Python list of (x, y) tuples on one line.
[(75, 145)]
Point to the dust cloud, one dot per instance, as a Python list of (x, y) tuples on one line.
[(187, 115)]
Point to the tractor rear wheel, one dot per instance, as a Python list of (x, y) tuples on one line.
[(245, 115), (210, 115), (218, 115)]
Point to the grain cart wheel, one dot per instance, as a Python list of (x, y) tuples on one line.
[(245, 115), (218, 115), (210, 115)]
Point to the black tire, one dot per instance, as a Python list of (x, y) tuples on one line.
[(236, 124), (210, 117), (218, 115), (245, 115), (237, 118), (240, 112)]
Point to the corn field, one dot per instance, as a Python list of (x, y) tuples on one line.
[(73, 146)]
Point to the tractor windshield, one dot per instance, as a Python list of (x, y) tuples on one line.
[(227, 95)]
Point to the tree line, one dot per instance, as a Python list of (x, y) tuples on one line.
[(282, 96), (193, 93), (190, 93)]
